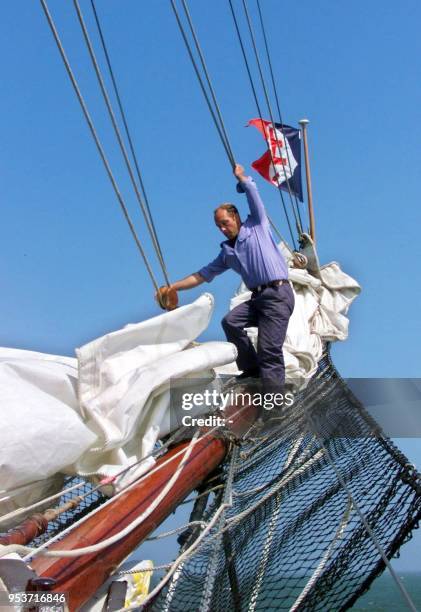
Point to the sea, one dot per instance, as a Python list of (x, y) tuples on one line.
[(385, 596)]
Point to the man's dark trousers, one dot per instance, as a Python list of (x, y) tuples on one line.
[(269, 310)]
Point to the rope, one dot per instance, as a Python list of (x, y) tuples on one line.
[(155, 453), (31, 552), (276, 100), (86, 550), (202, 60), (179, 560), (193, 499), (152, 233), (240, 40), (46, 500), (214, 556), (60, 535), (317, 458), (368, 529), (265, 554), (262, 80), (278, 233), (166, 534), (219, 123), (144, 206), (220, 131), (97, 142), (143, 569), (271, 531)]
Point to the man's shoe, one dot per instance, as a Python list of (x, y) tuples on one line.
[(253, 373)]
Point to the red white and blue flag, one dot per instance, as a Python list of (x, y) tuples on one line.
[(284, 142)]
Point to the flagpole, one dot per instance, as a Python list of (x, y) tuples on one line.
[(304, 123)]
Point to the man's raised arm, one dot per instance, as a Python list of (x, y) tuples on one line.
[(247, 185)]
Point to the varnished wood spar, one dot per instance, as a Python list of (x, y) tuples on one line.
[(25, 532), (36, 525), (81, 576)]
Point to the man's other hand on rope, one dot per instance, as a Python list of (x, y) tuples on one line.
[(167, 296)]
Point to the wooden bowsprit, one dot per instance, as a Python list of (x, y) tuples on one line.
[(81, 576)]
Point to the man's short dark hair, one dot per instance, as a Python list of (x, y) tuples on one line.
[(230, 208)]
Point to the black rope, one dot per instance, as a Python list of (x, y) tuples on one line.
[(97, 142), (222, 129), (119, 137), (240, 40), (202, 60), (199, 78), (276, 96), (262, 80), (129, 138)]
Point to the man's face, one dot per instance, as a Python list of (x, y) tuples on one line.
[(228, 223)]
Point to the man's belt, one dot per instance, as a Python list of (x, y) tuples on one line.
[(275, 283)]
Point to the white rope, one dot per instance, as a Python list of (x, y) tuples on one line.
[(271, 531), (179, 560), (319, 569), (29, 555), (284, 481), (265, 553), (166, 534), (45, 500), (255, 490), (86, 550)]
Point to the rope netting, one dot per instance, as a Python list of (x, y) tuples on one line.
[(290, 537), (91, 499)]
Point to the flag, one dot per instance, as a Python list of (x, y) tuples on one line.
[(285, 144)]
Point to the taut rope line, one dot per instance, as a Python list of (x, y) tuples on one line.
[(98, 143), (220, 126), (277, 105), (126, 129), (145, 212), (262, 80), (240, 40)]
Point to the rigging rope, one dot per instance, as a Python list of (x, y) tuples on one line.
[(98, 143), (225, 144), (146, 216), (367, 527), (240, 40), (205, 70), (86, 550), (31, 552), (130, 141), (217, 117), (262, 80), (277, 101)]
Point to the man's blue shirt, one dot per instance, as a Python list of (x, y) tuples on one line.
[(255, 254)]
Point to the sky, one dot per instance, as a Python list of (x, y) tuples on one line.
[(70, 270)]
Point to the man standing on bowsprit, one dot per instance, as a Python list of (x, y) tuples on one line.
[(251, 251)]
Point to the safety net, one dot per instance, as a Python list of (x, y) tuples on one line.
[(312, 499)]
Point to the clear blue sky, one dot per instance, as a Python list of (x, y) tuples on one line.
[(70, 271)]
